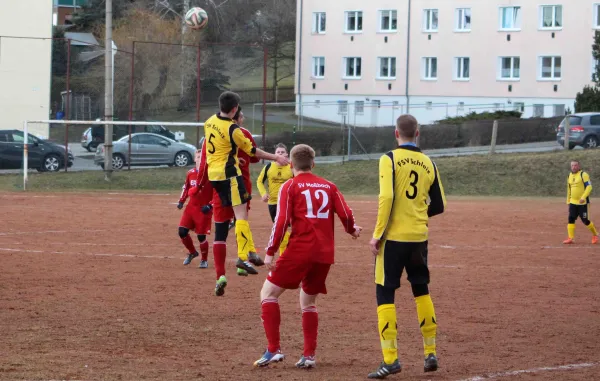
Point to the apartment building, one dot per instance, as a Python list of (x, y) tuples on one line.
[(369, 61)]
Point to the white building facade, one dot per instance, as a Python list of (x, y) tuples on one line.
[(368, 62), (25, 63)]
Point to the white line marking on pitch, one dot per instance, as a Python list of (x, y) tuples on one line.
[(533, 370), (89, 254), (62, 231)]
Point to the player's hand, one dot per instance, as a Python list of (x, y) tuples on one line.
[(281, 160), (374, 246), (356, 232), (179, 205), (582, 201), (269, 262), (265, 197), (193, 191), (242, 161), (207, 208)]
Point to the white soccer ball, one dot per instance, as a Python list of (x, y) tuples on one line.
[(196, 18)]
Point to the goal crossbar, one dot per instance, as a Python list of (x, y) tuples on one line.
[(88, 123)]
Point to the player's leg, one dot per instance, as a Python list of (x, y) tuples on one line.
[(185, 225), (571, 224), (220, 246), (389, 265), (584, 214), (418, 276), (253, 256), (271, 318), (243, 235), (312, 285), (203, 222), (286, 237)]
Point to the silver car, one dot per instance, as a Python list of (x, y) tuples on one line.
[(584, 130), (148, 149)]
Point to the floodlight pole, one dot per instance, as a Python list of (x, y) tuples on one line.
[(108, 93)]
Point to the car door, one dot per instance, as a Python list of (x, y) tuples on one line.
[(150, 150), (35, 150), (6, 157), (135, 154)]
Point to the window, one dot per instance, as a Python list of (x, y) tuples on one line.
[(395, 105), (550, 68), (150, 140), (430, 20), (596, 16), (462, 68), (463, 19), (317, 103), (376, 103), (595, 64), (497, 106), (551, 17), (359, 107), (319, 24), (430, 68), (519, 106), (388, 21), (318, 67), (18, 137), (559, 110), (353, 67), (387, 67), (428, 105), (594, 120), (510, 68), (510, 18), (538, 111), (354, 21), (461, 106), (342, 107)]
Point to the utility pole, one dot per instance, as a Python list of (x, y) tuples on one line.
[(108, 94)]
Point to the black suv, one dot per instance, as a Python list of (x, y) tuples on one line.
[(43, 155)]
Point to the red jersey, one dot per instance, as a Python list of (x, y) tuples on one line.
[(245, 168), (308, 203), (199, 199)]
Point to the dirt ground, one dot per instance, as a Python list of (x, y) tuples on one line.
[(92, 287)]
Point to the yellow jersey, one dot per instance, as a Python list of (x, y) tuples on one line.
[(275, 175), (223, 139), (579, 187), (407, 180)]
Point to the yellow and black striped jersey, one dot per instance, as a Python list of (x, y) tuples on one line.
[(579, 187), (223, 139), (275, 175), (407, 180)]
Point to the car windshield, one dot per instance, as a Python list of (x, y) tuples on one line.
[(573, 121)]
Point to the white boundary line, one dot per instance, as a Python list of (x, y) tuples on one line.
[(57, 232), (511, 373), (88, 254)]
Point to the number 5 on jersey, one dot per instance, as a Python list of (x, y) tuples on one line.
[(320, 195)]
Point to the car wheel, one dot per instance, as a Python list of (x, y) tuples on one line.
[(118, 161), (92, 147), (89, 148), (590, 142), (51, 163), (182, 159)]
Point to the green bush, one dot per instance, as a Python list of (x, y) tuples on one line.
[(496, 115)]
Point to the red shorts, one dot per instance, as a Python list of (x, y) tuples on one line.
[(222, 213), (195, 220), (289, 273)]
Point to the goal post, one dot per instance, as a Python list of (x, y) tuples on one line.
[(186, 132)]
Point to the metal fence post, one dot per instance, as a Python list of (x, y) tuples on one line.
[(198, 94), (494, 137), (131, 85), (67, 108)]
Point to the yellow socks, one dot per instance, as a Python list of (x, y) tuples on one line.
[(571, 230), (426, 315), (284, 243), (592, 228), (388, 330), (243, 236)]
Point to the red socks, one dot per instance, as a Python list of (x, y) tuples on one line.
[(271, 319), (188, 242), (310, 326), (220, 253), (204, 250)]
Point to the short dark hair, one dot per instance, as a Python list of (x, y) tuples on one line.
[(281, 145), (228, 101), (303, 157), (237, 114), (407, 126)]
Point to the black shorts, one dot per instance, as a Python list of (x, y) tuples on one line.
[(394, 257), (232, 192), (580, 211), (273, 211)]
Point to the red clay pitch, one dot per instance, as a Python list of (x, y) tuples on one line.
[(92, 287)]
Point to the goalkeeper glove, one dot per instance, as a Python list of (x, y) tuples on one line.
[(207, 208), (180, 205)]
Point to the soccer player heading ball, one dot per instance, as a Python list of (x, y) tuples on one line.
[(407, 179), (223, 140), (308, 203), (579, 187)]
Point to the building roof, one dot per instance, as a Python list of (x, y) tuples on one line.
[(82, 39)]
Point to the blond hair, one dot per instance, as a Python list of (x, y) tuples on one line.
[(303, 157), (407, 126)]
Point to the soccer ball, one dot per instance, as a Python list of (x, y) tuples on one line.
[(196, 18)]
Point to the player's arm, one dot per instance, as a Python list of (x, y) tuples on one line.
[(568, 191), (386, 195), (248, 134), (260, 181), (588, 186), (437, 197), (184, 192), (246, 145), (343, 211), (282, 220)]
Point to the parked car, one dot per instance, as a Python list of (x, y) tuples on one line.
[(94, 136), (148, 149), (43, 155), (584, 130)]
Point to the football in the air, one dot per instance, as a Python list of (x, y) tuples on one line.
[(196, 18)]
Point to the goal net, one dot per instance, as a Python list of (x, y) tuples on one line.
[(79, 145)]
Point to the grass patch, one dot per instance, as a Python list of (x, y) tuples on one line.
[(531, 175)]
